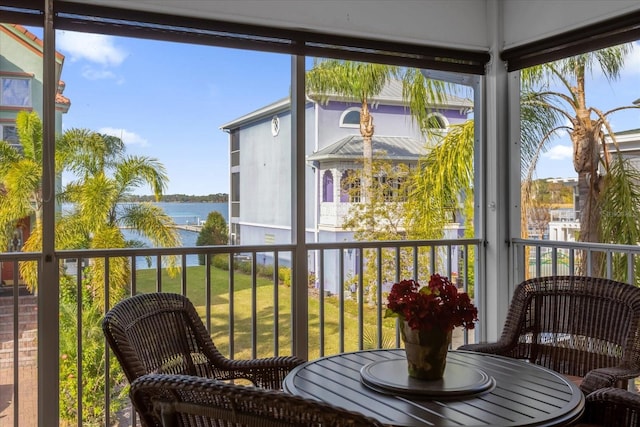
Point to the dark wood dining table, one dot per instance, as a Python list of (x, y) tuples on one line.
[(477, 390)]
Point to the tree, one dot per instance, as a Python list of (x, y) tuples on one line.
[(214, 232), (374, 216), (382, 210), (442, 184), (608, 184), (600, 172), (441, 189), (361, 82), (106, 176), (20, 174)]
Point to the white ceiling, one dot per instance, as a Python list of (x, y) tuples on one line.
[(465, 24)]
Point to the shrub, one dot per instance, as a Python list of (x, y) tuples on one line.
[(92, 358), (284, 276)]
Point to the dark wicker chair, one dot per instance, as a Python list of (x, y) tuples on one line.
[(609, 406), (163, 333), (613, 407), (184, 401), (573, 325)]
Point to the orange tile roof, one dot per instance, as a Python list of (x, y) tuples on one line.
[(34, 38), (61, 99)]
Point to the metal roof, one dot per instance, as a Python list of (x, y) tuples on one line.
[(391, 94), (400, 148), (268, 110)]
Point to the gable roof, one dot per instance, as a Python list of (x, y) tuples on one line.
[(28, 39), (400, 148)]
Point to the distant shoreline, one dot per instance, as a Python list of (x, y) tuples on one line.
[(181, 198)]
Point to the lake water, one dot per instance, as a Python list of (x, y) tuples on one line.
[(182, 213)]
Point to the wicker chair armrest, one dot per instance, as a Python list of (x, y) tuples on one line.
[(615, 376), (613, 407), (597, 379), (268, 372)]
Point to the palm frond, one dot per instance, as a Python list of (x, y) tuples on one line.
[(135, 171), (29, 129), (441, 181), (620, 203)]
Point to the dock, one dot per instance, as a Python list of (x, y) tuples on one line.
[(189, 227)]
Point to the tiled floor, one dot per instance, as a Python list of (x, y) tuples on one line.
[(27, 397)]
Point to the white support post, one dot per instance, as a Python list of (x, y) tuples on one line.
[(497, 207), (300, 326)]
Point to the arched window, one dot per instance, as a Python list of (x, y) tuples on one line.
[(437, 121), (350, 118), (350, 187), (327, 187)]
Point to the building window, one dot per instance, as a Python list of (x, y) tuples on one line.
[(327, 187), (9, 134), (15, 92), (350, 118), (392, 189), (275, 126), (235, 187), (437, 121), (235, 148), (350, 187)]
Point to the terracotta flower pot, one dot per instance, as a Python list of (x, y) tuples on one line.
[(426, 351)]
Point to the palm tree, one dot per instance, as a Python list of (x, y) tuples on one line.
[(361, 82), (608, 183), (442, 182), (20, 172), (106, 176), (599, 171)]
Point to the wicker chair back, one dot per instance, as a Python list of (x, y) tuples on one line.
[(163, 333), (185, 401)]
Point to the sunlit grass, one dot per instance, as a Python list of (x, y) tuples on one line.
[(264, 314)]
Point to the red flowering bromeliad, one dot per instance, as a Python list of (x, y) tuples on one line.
[(437, 305)]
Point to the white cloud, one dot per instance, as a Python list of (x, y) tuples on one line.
[(91, 73), (559, 152), (96, 48), (129, 138)]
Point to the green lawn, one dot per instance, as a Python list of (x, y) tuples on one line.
[(264, 313)]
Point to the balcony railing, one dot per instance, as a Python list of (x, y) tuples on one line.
[(535, 258), (247, 301)]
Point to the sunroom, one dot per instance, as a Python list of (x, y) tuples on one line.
[(479, 45)]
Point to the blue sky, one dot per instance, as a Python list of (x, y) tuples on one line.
[(168, 100)]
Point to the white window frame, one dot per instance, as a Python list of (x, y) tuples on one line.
[(344, 114), (442, 118)]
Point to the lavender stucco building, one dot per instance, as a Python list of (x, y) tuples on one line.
[(260, 157)]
